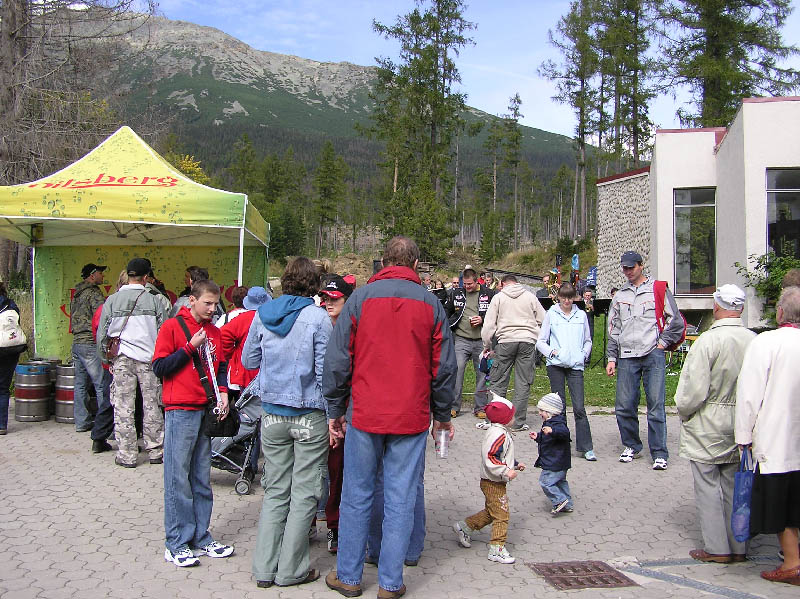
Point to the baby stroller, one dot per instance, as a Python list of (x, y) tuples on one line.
[(239, 454)]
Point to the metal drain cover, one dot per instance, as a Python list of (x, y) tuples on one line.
[(581, 575)]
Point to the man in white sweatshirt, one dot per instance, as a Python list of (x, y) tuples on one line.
[(514, 317)]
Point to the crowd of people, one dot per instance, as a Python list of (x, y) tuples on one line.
[(352, 380)]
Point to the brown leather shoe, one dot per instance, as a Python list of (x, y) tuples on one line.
[(348, 590), (739, 557), (718, 558), (310, 577), (790, 576), (384, 594)]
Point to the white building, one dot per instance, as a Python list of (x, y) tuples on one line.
[(710, 198)]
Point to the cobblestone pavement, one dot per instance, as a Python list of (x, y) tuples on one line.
[(74, 525)]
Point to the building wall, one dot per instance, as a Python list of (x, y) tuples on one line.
[(771, 139), (623, 223)]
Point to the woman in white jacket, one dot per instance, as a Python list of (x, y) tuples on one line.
[(566, 343), (768, 419)]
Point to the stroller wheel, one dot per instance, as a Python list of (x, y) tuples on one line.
[(242, 486)]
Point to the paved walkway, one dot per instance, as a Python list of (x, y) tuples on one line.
[(74, 525)]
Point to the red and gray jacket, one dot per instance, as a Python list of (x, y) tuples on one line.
[(391, 355)]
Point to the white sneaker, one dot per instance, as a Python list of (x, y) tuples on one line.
[(521, 428), (659, 464), (463, 538), (628, 455), (214, 549), (499, 553), (183, 558), (483, 425)]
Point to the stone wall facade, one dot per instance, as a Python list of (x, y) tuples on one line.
[(624, 221)]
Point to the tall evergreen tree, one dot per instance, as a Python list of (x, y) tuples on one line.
[(573, 82), (329, 183), (513, 143), (726, 50)]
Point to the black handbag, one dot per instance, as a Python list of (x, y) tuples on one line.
[(212, 425)]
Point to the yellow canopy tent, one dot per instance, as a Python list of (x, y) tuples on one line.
[(120, 201)]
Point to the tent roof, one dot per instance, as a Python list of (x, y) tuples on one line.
[(124, 193)]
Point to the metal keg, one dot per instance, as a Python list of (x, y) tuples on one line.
[(65, 394), (32, 392)]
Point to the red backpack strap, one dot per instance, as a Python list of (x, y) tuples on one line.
[(659, 295)]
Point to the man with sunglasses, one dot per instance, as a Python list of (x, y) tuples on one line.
[(636, 353)]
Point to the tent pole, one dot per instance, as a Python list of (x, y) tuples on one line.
[(33, 294), (241, 254)]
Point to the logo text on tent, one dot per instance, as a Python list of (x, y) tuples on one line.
[(104, 180)]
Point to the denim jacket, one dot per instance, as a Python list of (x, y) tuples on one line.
[(290, 367)]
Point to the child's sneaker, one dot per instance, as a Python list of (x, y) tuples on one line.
[(463, 538), (559, 507), (333, 540), (183, 558), (483, 425), (499, 553)]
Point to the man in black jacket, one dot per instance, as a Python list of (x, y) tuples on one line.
[(466, 308)]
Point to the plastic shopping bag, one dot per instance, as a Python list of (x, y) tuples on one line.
[(742, 492)]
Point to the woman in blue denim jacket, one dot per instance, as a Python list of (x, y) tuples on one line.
[(287, 342), (566, 343)]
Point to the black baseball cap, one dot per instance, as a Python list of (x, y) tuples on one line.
[(337, 287), (91, 268), (630, 259), (139, 267)]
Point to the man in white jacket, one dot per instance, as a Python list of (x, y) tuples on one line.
[(515, 318)]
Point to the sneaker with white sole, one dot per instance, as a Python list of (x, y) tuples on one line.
[(183, 558), (333, 540), (628, 455), (559, 507), (659, 464), (499, 553), (589, 456), (520, 428), (214, 549), (463, 538), (483, 425)]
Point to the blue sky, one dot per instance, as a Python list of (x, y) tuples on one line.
[(510, 43)]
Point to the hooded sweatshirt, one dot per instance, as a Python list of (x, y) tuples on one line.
[(173, 362), (515, 315), (287, 342)]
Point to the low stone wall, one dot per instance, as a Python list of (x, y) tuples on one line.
[(623, 223)]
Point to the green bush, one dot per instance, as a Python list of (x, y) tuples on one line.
[(766, 276)]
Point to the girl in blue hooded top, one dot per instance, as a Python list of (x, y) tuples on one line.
[(566, 343)]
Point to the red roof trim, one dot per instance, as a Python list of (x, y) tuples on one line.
[(775, 99), (638, 171)]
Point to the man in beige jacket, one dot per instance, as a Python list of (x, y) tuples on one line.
[(514, 317), (706, 402)]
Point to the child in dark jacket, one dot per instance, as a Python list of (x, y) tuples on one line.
[(554, 453)]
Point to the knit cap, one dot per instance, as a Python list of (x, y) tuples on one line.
[(551, 403), (499, 409)]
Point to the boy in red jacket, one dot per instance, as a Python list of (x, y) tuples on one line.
[(188, 500)]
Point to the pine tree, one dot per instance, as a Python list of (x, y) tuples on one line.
[(329, 184), (513, 143), (726, 50)]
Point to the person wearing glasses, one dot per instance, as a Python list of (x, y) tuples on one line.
[(636, 353)]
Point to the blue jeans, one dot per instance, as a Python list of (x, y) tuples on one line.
[(7, 366), (417, 541), (402, 459), (88, 370), (188, 499), (650, 370), (555, 486)]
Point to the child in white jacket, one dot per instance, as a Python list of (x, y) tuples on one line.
[(498, 467)]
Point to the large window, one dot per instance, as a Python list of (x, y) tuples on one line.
[(695, 241), (783, 211)]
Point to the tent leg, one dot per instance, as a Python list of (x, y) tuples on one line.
[(241, 256)]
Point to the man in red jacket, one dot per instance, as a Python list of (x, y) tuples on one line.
[(389, 364), (187, 450)]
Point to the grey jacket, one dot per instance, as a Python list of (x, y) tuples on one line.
[(138, 337), (706, 395), (632, 329)]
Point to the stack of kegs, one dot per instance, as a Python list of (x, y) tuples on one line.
[(32, 391), (65, 394)]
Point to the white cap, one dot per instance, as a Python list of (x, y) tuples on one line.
[(730, 297)]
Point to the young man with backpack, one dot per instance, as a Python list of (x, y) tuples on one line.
[(636, 345)]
